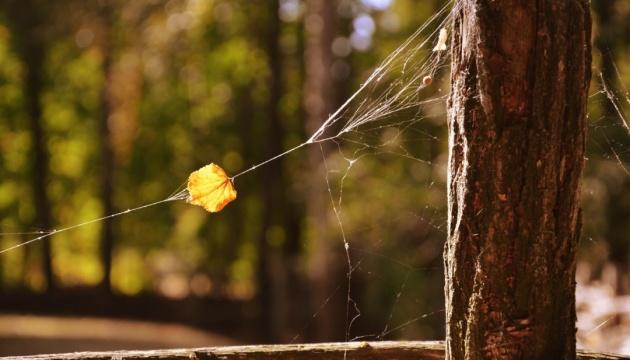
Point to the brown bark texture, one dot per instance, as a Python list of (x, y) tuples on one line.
[(517, 126), (378, 350)]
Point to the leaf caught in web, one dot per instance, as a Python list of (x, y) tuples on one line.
[(211, 188)]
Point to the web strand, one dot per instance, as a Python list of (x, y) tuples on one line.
[(614, 102), (400, 95), (177, 196)]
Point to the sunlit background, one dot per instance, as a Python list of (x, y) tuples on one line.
[(109, 105)]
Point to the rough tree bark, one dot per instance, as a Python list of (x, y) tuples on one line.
[(520, 75)]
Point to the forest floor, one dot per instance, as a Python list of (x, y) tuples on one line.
[(28, 335)]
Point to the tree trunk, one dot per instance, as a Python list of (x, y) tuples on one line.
[(320, 100), (271, 270), (27, 19), (107, 152), (517, 126)]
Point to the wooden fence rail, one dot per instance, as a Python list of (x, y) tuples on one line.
[(378, 350)]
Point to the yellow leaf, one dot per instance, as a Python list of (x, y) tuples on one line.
[(211, 188)]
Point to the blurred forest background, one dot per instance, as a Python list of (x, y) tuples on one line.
[(106, 105)]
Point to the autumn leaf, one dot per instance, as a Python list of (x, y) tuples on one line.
[(211, 188)]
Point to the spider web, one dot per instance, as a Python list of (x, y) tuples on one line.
[(383, 121), (372, 131)]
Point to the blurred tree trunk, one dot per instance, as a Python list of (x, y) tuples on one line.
[(327, 265), (107, 152), (608, 31), (277, 222), (517, 126), (297, 284), (244, 113), (268, 284), (27, 19)]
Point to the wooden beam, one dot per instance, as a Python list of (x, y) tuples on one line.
[(364, 350)]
